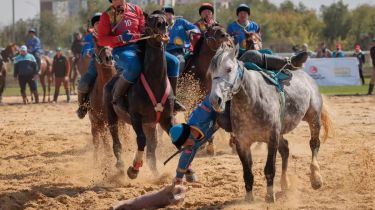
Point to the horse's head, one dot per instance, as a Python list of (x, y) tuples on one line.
[(253, 41), (9, 52), (226, 76), (216, 36), (157, 27), (103, 56)]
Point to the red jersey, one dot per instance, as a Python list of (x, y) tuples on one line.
[(111, 25)]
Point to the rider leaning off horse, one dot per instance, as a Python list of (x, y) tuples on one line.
[(180, 32), (119, 27), (202, 124), (34, 46)]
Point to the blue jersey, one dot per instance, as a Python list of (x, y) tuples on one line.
[(338, 54), (178, 34), (89, 44), (25, 65), (202, 119), (33, 44), (237, 31)]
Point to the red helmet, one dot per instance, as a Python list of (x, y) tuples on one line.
[(205, 6)]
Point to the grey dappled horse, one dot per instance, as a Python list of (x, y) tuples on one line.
[(255, 115)]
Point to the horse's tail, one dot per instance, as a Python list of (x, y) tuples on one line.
[(326, 122)]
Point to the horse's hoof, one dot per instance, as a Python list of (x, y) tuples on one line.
[(121, 167), (270, 198), (191, 177), (316, 180), (210, 149), (132, 174), (249, 197), (285, 183)]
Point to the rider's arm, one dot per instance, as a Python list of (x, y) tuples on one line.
[(190, 27), (105, 35)]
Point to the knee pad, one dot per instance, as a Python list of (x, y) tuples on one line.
[(130, 64)]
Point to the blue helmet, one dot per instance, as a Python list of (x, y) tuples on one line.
[(243, 8), (179, 134), (32, 30)]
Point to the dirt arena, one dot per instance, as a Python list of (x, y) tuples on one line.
[(46, 162)]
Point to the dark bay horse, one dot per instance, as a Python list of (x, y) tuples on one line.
[(259, 115), (204, 50), (106, 70), (138, 109), (46, 75), (6, 56)]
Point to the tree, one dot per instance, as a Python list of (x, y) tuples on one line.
[(337, 21)]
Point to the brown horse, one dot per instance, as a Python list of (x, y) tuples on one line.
[(204, 51), (138, 109), (6, 56), (79, 67), (46, 74), (253, 41), (106, 70)]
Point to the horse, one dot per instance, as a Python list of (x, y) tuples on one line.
[(79, 66), (253, 41), (6, 56), (106, 70), (259, 115), (138, 108), (46, 74), (204, 50)]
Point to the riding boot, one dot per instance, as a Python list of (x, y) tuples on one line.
[(121, 87), (273, 62), (24, 98), (83, 103), (370, 89), (178, 106), (36, 96)]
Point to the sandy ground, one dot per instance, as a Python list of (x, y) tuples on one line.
[(46, 162)]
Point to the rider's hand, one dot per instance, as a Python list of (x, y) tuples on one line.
[(66, 79), (126, 36)]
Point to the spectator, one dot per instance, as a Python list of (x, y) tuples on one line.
[(25, 69), (61, 69), (338, 53), (323, 51), (305, 48), (361, 60), (372, 53)]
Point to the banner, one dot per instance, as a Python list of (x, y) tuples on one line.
[(333, 71)]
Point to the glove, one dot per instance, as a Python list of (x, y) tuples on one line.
[(126, 36)]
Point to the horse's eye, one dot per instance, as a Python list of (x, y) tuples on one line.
[(229, 70)]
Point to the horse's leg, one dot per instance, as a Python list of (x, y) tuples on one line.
[(49, 87), (136, 120), (43, 83), (270, 169), (113, 126), (75, 75), (95, 139), (244, 153), (152, 142), (284, 152), (315, 177)]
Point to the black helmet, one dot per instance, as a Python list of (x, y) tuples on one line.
[(95, 18), (32, 30), (243, 8), (205, 6), (168, 9)]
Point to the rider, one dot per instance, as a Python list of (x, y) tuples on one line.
[(119, 26), (180, 32), (34, 46), (89, 44), (206, 12), (77, 46), (242, 25), (190, 136)]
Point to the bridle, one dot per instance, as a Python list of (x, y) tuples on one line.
[(98, 59), (232, 87)]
